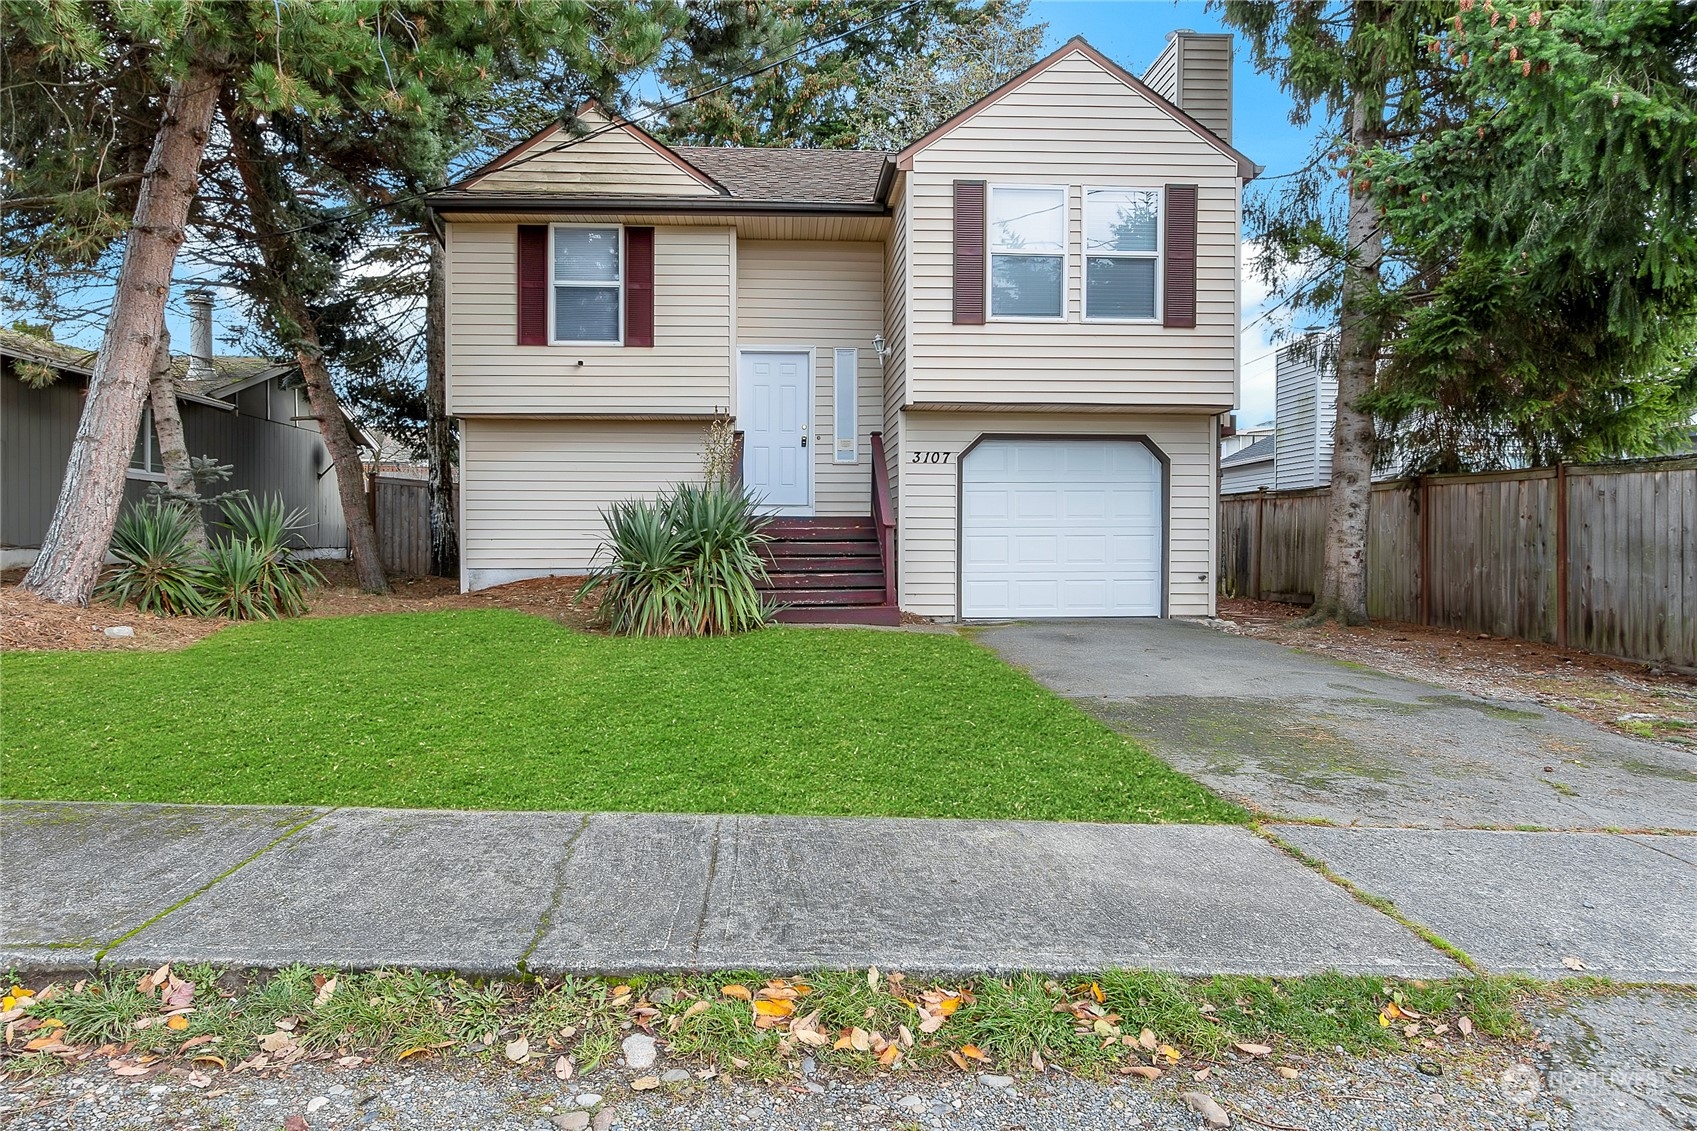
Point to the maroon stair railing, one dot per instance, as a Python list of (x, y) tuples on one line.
[(884, 518)]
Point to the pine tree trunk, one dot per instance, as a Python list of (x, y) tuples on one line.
[(438, 428), (291, 310), (344, 452), (74, 548), (168, 427), (1343, 580)]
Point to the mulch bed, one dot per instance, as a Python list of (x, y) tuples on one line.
[(29, 623), (1603, 689)]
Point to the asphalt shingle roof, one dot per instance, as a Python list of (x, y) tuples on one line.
[(227, 370), (837, 176), (1260, 450)]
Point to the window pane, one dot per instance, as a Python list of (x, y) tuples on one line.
[(1121, 219), (1023, 219), (146, 455), (589, 255), (1027, 286), (1119, 288), (586, 314), (846, 371)]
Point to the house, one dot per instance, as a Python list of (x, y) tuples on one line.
[(1248, 467), (248, 412), (981, 377)]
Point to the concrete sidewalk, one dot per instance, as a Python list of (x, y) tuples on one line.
[(492, 893)]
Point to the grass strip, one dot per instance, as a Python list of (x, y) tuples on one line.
[(494, 709), (1093, 1027)]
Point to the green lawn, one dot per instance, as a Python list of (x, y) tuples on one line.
[(500, 710)]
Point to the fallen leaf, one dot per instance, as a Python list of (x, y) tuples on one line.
[(768, 1008), (1252, 1049), (906, 1036), (1202, 1074), (1096, 992), (1465, 1024), (131, 1069), (1036, 1060), (287, 1024), (930, 1022), (178, 1022), (696, 1008), (975, 1053), (275, 1042), (620, 989), (739, 992), (959, 1061), (1170, 1053), (739, 1062), (1212, 1113), (892, 1053), (149, 982), (872, 978), (178, 993), (563, 1068), (209, 1058), (1148, 1072), (322, 997), (198, 1080), (860, 1040), (1572, 963), (1147, 1039), (518, 1050), (645, 1083), (1287, 1072)]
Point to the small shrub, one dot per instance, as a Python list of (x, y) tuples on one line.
[(159, 569), (685, 564)]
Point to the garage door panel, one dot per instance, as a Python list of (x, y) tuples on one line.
[(1061, 528)]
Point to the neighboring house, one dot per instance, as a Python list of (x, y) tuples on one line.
[(1305, 412), (248, 412), (1026, 321), (1249, 468)]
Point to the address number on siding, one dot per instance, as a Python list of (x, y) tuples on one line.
[(931, 457)]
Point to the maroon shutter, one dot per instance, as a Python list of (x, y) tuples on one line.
[(533, 284), (1180, 281), (639, 286), (969, 253)]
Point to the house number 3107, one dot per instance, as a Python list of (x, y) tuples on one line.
[(931, 457)]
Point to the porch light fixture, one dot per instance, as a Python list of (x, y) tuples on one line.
[(879, 345)]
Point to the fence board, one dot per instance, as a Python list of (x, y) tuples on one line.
[(1491, 541), (403, 524)]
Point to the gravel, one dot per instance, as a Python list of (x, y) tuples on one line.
[(1334, 1094)]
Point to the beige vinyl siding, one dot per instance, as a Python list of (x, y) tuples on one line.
[(1162, 75), (828, 296), (1205, 81), (928, 522), (1073, 125), (532, 492), (615, 163), (688, 369), (895, 330)]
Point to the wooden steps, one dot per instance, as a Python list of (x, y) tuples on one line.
[(827, 571)]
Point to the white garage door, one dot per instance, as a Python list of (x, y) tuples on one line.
[(1060, 528)]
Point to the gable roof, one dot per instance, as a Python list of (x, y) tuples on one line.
[(1246, 168), (1261, 451), (517, 153), (852, 176), (230, 374)]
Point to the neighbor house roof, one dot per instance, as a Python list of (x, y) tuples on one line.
[(1261, 451), (229, 373), (852, 176), (45, 351)]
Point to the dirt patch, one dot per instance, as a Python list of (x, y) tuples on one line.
[(1641, 700), (29, 623)]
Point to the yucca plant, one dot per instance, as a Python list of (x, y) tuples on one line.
[(685, 564), (283, 579), (159, 569), (721, 533), (232, 582)]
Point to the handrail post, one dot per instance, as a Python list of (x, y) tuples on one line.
[(883, 518)]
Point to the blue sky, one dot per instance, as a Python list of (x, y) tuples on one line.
[(1131, 32)]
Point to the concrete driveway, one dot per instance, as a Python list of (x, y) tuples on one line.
[(1297, 735)]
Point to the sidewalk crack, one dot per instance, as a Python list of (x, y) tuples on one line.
[(546, 922), (706, 892), (101, 954)]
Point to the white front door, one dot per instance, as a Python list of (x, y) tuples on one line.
[(773, 410), (1060, 528)]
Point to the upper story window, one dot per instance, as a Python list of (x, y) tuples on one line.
[(1028, 241), (1122, 251), (588, 284)]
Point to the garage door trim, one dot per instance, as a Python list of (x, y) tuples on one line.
[(1136, 437)]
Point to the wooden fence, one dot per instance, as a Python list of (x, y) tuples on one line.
[(401, 510), (1600, 557)]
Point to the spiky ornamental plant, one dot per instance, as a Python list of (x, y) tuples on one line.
[(159, 568)]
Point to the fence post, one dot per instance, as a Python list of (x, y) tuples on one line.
[(1260, 513), (1561, 554), (1426, 549)]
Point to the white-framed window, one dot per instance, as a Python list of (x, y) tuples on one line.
[(845, 404), (144, 461), (587, 304), (1122, 254), (1027, 232)]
